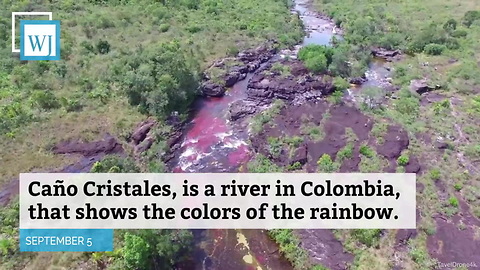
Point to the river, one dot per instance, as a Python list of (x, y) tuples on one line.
[(210, 144)]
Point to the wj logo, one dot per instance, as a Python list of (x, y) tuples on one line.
[(39, 39)]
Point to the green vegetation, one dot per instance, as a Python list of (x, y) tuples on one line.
[(114, 164), (345, 153), (403, 160), (290, 247), (121, 60), (453, 201), (261, 119), (367, 151), (368, 237), (261, 164), (320, 59), (326, 164)]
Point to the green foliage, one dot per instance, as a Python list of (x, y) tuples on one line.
[(459, 33), (473, 151), (316, 133), (266, 116), (367, 151), (340, 84), (282, 69), (458, 186), (434, 49), (435, 174), (326, 164), (136, 252), (262, 164), (159, 81), (45, 100), (453, 201), (403, 160), (103, 47), (371, 98), (316, 63), (441, 106), (316, 57), (368, 237), (115, 164), (164, 27), (290, 247), (152, 249), (275, 146), (450, 25), (470, 17), (345, 153), (295, 166)]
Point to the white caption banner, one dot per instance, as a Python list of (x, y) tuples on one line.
[(88, 201)]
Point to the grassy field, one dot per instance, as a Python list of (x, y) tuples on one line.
[(89, 92), (122, 61)]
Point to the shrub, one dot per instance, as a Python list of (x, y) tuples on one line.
[(473, 151), (368, 237), (434, 49), (290, 247), (316, 58), (435, 174), (114, 164), (366, 151), (136, 252), (450, 25), (403, 160), (458, 186), (262, 164), (470, 17), (326, 164), (164, 27), (295, 166), (453, 201), (160, 80), (340, 83), (316, 64), (45, 100), (345, 153), (460, 33), (155, 249), (103, 47)]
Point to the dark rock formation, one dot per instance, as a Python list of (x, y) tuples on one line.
[(422, 86), (109, 145), (388, 55), (212, 89)]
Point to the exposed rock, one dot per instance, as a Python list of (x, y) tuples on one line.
[(242, 69), (242, 108), (253, 66), (212, 89), (298, 69), (388, 55), (300, 155), (421, 86), (232, 78), (358, 80), (145, 145), (413, 165), (396, 140), (109, 145), (141, 131), (441, 145)]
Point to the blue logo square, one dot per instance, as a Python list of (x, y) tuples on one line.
[(39, 40)]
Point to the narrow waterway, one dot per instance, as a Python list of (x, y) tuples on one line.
[(211, 144)]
